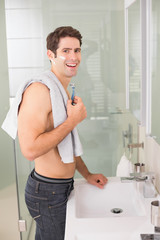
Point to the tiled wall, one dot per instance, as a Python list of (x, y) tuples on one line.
[(24, 40)]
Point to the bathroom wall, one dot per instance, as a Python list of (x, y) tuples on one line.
[(24, 40), (8, 194)]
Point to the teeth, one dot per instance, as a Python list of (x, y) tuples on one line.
[(71, 65)]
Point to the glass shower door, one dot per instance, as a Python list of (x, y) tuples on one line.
[(23, 169), (101, 77)]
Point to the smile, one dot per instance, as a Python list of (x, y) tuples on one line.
[(71, 65)]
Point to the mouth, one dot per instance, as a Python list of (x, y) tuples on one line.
[(71, 65)]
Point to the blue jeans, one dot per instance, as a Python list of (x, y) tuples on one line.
[(46, 203)]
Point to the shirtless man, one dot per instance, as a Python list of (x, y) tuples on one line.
[(51, 182)]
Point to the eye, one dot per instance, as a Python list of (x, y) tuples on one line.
[(66, 50), (77, 50)]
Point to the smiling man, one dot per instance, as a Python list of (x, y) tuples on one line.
[(67, 58), (47, 134)]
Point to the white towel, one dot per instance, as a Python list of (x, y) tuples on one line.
[(124, 168), (70, 146)]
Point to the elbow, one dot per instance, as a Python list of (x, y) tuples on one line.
[(29, 154), (29, 148), (30, 158)]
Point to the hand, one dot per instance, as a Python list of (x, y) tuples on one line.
[(98, 180), (77, 113)]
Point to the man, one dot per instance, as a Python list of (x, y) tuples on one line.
[(51, 182)]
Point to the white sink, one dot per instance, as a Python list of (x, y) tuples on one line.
[(115, 200), (89, 215), (109, 236)]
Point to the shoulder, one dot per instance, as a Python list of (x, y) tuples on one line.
[(37, 90), (37, 94), (37, 86)]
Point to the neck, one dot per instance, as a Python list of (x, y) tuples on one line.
[(63, 80)]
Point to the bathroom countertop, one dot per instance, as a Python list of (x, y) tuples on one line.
[(103, 228)]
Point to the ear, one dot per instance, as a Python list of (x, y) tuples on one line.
[(50, 54)]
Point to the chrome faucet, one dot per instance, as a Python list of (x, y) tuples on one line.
[(149, 190)]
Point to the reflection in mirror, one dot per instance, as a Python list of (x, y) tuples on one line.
[(134, 58), (155, 41)]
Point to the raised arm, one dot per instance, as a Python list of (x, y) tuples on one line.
[(35, 136)]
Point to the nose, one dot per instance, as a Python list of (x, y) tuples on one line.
[(73, 55)]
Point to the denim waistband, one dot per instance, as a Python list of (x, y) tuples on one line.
[(51, 180), (49, 186)]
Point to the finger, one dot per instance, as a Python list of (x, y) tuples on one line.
[(99, 185), (77, 98), (69, 101), (102, 180), (105, 180)]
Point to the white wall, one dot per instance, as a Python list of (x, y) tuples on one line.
[(24, 40)]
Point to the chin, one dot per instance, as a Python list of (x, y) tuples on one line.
[(72, 74)]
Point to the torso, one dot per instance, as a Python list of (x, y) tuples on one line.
[(50, 164)]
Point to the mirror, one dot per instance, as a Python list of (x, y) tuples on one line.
[(133, 57), (155, 70)]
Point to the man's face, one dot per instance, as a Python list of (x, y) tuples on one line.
[(68, 57)]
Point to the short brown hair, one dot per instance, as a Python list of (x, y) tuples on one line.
[(65, 31)]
